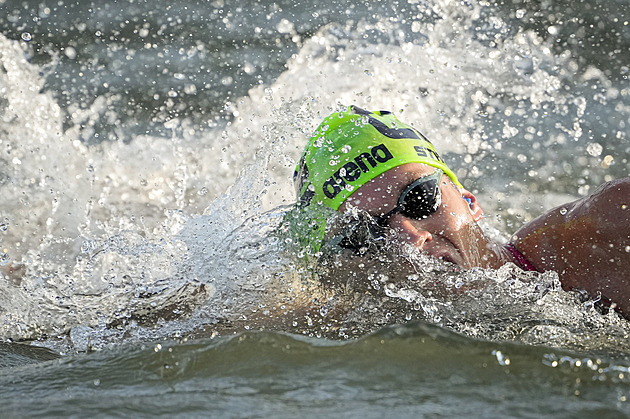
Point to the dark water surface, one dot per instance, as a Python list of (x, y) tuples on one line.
[(415, 370)]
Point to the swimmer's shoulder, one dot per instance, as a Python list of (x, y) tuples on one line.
[(601, 217), (606, 211), (607, 207)]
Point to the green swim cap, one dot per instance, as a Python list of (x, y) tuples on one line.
[(350, 148)]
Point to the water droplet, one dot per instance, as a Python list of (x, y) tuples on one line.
[(285, 26), (70, 52), (27, 36), (346, 148), (563, 211), (594, 149), (190, 89), (203, 191), (608, 161), (501, 358)]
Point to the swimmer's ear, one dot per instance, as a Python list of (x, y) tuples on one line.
[(473, 204)]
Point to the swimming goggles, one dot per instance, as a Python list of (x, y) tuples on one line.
[(419, 200)]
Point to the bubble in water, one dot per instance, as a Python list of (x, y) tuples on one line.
[(27, 36), (594, 149)]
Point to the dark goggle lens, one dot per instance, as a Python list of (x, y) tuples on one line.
[(421, 199)]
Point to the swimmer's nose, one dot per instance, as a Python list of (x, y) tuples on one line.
[(409, 232)]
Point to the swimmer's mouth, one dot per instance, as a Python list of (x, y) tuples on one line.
[(447, 258)]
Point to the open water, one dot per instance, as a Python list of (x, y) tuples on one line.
[(146, 153)]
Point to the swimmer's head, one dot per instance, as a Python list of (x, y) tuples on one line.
[(350, 148)]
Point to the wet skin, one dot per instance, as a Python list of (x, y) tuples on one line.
[(450, 234), (586, 241)]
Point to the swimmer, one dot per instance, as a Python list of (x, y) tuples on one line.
[(389, 173)]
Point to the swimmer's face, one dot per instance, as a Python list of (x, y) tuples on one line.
[(450, 233)]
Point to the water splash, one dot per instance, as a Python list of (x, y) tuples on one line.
[(171, 236)]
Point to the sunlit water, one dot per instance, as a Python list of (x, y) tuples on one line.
[(146, 153)]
